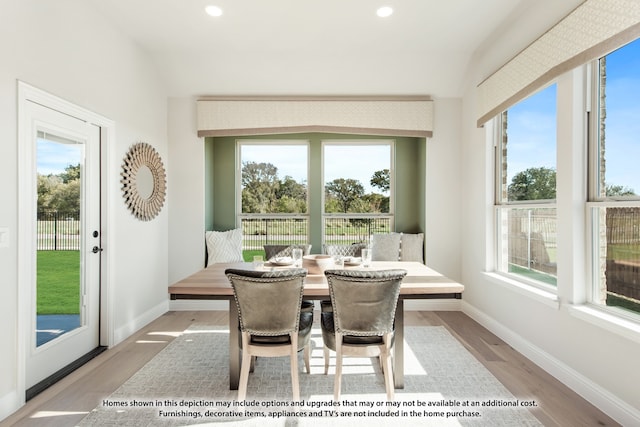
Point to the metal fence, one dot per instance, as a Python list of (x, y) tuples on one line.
[(348, 229), (58, 231), (260, 230), (623, 226)]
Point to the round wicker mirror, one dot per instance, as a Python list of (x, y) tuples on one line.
[(143, 181)]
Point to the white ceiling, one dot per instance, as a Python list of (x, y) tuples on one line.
[(310, 47)]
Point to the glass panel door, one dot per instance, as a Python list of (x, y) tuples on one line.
[(59, 180)]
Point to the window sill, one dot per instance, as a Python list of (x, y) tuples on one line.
[(545, 297), (616, 324)]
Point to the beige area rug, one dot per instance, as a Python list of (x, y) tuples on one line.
[(187, 383)]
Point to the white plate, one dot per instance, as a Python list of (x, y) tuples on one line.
[(282, 261), (353, 261)]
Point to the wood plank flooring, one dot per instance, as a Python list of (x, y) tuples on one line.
[(68, 401)]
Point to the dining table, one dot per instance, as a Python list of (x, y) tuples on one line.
[(421, 282)]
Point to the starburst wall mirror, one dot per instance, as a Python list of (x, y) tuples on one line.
[(143, 181)]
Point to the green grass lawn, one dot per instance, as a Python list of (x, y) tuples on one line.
[(58, 282), (248, 255)]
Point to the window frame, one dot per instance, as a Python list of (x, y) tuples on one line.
[(501, 205), (596, 202), (268, 142), (362, 142)]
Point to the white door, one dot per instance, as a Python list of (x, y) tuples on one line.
[(65, 281)]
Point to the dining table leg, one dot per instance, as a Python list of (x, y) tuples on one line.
[(398, 351), (234, 347)]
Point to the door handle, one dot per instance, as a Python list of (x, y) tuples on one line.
[(96, 249)]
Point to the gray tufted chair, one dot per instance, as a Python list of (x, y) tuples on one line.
[(273, 251), (360, 319), (354, 250), (271, 322)]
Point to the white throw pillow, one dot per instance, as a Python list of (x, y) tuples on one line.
[(412, 247), (224, 246), (385, 247)]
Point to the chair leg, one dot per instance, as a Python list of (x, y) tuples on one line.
[(307, 358), (244, 370), (388, 370), (295, 385), (326, 360), (338, 380), (253, 364)]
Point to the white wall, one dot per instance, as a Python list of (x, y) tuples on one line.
[(598, 363), (186, 215), (444, 190), (62, 47)]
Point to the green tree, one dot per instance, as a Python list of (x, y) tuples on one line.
[(381, 179), (71, 173), (259, 186), (619, 190), (60, 192), (345, 191), (533, 184)]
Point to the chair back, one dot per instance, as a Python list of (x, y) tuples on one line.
[(268, 301), (273, 251), (364, 302), (354, 249)]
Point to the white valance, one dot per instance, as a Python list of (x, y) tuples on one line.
[(393, 116), (592, 30)]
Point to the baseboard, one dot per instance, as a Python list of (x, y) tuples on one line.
[(9, 404), (125, 331), (601, 398)]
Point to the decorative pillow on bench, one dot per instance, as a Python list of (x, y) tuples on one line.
[(412, 247), (224, 246), (385, 247), (397, 247)]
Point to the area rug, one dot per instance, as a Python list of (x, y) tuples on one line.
[(187, 383)]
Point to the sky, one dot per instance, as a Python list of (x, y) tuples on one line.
[(340, 161), (532, 124), (54, 157)]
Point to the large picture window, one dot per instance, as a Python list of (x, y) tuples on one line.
[(358, 190), (273, 177), (615, 180), (526, 189), (273, 193)]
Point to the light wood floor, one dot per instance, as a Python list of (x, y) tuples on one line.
[(68, 401)]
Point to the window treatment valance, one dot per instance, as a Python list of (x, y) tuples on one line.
[(401, 116), (592, 30)]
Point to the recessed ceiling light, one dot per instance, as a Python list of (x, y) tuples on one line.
[(213, 10), (385, 11)]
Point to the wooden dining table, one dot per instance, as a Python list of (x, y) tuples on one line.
[(421, 282)]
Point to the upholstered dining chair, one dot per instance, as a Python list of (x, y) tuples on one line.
[(360, 319), (271, 322), (275, 251), (354, 250)]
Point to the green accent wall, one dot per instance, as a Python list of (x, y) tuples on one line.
[(410, 175)]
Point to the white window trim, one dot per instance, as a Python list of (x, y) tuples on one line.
[(609, 319), (524, 287)]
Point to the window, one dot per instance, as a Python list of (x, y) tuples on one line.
[(273, 196), (358, 190), (273, 177), (526, 189), (614, 192)]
